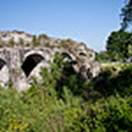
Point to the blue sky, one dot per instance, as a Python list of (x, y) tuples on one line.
[(90, 21)]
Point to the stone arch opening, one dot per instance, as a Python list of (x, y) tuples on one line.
[(69, 58), (31, 62), (66, 55), (2, 63)]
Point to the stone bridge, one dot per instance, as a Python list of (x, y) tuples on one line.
[(18, 64), (22, 56)]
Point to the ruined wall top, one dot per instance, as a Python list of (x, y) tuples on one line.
[(22, 39), (23, 54)]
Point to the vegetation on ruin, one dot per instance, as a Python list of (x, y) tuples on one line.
[(64, 102)]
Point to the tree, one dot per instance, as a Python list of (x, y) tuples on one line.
[(35, 41), (1, 43), (11, 42), (103, 56), (119, 45), (126, 15), (21, 41)]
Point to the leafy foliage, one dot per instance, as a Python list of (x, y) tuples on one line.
[(119, 45), (111, 82), (103, 56), (126, 15), (51, 106)]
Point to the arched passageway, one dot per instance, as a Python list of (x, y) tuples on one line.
[(31, 62), (68, 58), (2, 63)]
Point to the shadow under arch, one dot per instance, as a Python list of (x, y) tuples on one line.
[(2, 63), (69, 58), (31, 62)]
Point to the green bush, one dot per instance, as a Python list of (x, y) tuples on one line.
[(108, 115), (51, 107), (108, 83), (103, 56)]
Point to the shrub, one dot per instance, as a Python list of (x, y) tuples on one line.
[(45, 107), (111, 114), (108, 83)]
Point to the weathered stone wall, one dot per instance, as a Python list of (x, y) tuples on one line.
[(12, 60), (19, 63)]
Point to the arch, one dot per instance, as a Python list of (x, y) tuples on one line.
[(31, 62), (69, 58), (82, 54), (31, 52), (2, 63)]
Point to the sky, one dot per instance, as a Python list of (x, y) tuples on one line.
[(89, 21)]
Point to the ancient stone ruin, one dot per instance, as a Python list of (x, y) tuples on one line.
[(23, 55)]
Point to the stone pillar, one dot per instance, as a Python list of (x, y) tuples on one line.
[(4, 67), (18, 77)]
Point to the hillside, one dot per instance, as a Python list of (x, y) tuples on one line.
[(95, 99)]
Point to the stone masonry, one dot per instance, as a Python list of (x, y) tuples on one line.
[(23, 59)]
